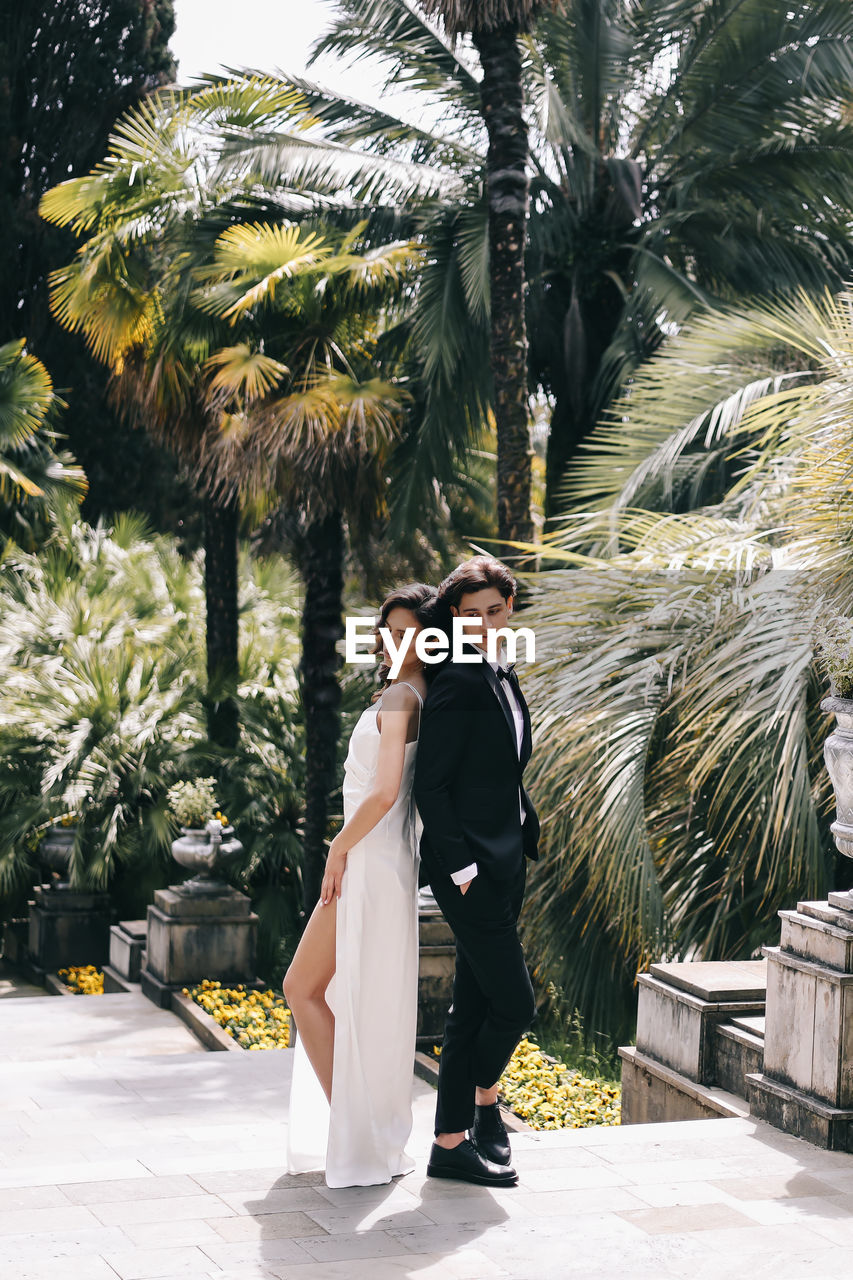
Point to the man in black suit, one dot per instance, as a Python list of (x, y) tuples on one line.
[(479, 828)]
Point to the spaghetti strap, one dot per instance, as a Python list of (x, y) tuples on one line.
[(411, 686), (420, 701)]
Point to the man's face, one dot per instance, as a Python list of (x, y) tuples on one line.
[(487, 605)]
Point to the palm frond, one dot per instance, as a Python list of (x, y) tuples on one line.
[(26, 395), (243, 373)]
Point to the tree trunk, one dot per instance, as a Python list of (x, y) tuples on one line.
[(589, 326), (502, 101), (322, 627), (220, 588)]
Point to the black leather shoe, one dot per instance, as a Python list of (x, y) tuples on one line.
[(489, 1134), (466, 1164)]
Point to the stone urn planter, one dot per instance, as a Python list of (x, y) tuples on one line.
[(54, 850), (838, 754), (209, 851)]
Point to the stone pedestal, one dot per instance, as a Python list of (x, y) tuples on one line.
[(194, 935), (437, 963), (67, 927), (127, 948), (806, 1086), (15, 934), (671, 1073)]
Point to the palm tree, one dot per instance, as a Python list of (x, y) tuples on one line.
[(152, 211), (32, 476), (310, 422), (249, 346), (679, 154), (495, 27), (677, 687)]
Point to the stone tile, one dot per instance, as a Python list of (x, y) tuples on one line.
[(270, 1225), (567, 1203), (516, 1235), (475, 1209), (33, 1198), (798, 1185), (801, 1265), (420, 1188), (764, 1162), (60, 1173), (470, 1265), (651, 1153), (260, 1253), (378, 1218), (389, 1193), (258, 1203), (34, 1247), (168, 1234), (661, 1194), (351, 1245), (738, 1243), (193, 1161), (145, 1264), (251, 1273), (669, 1134), (83, 1267), (538, 1248), (201, 1207), (573, 1179), (698, 1170), (257, 1181), (555, 1157), (840, 1181), (118, 1189), (687, 1217), (69, 1217), (838, 1231), (810, 1211)]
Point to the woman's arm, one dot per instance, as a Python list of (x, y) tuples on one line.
[(398, 703)]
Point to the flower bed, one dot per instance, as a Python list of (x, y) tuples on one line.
[(541, 1090), (255, 1019), (83, 980), (547, 1094)]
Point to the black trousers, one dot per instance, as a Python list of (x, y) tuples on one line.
[(493, 1003)]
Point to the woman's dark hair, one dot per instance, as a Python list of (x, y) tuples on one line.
[(474, 575), (421, 600)]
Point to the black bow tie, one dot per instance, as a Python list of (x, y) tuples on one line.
[(508, 673)]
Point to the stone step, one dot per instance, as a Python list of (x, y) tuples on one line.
[(751, 1022), (816, 934), (717, 981), (738, 1053)]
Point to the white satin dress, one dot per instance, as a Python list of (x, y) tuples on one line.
[(360, 1140)]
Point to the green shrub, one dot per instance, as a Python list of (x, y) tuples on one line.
[(102, 711)]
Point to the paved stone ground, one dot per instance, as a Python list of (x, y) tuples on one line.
[(116, 1162)]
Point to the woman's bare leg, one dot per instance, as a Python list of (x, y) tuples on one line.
[(311, 970)]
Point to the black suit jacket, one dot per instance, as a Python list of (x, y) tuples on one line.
[(468, 773)]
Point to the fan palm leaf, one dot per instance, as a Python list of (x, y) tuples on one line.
[(662, 175), (679, 737), (34, 478)]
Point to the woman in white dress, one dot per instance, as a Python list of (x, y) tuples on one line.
[(353, 983)]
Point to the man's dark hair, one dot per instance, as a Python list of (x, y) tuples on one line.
[(474, 575)]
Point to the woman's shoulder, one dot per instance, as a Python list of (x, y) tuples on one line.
[(400, 696)]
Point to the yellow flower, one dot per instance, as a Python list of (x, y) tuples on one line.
[(255, 1019)]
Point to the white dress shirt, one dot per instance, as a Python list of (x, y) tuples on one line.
[(467, 873)]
